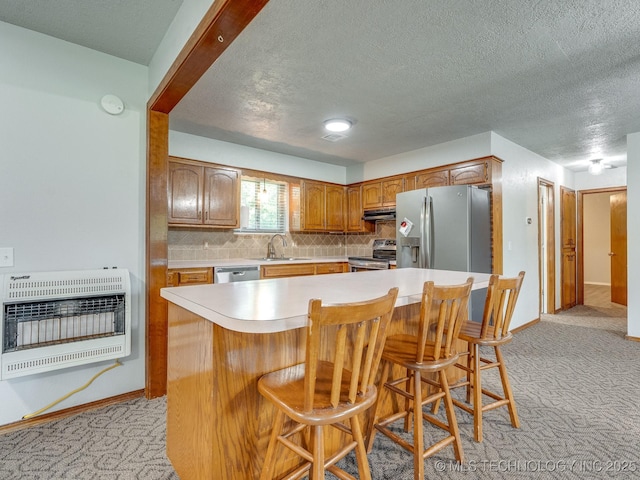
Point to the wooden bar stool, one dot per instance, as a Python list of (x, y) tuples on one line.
[(492, 332), (432, 351), (333, 386)]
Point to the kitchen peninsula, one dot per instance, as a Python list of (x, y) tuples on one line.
[(223, 337)]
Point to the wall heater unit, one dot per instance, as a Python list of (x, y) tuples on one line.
[(53, 320)]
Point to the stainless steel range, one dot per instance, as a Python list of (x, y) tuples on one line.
[(384, 251)]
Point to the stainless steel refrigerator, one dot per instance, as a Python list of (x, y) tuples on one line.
[(446, 228)]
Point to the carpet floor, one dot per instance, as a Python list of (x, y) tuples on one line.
[(576, 382)]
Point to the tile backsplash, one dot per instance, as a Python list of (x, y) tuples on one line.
[(196, 244)]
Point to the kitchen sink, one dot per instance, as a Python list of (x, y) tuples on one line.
[(280, 259)]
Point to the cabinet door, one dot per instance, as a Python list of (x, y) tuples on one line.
[(371, 195), (221, 197), (185, 194), (439, 178), (354, 210), (324, 268), (410, 183), (189, 276), (290, 270), (390, 188), (477, 173), (334, 204), (314, 206), (354, 222)]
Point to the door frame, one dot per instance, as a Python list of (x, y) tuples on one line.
[(580, 235), (548, 266)]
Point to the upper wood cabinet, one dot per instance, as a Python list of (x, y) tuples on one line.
[(431, 178), (472, 173), (354, 222), (321, 208), (313, 212), (203, 195), (334, 208), (381, 193)]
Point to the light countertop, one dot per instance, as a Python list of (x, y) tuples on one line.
[(275, 305)]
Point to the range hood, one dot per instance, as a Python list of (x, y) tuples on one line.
[(379, 214)]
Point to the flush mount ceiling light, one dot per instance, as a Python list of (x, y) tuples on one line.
[(596, 167), (337, 125)]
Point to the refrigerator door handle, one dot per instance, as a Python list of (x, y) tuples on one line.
[(425, 254), (428, 232)]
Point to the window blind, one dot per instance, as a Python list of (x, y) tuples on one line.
[(263, 205)]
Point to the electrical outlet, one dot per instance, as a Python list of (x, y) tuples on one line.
[(6, 257)]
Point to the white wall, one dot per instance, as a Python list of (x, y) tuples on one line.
[(615, 177), (184, 23), (466, 148), (633, 234), (215, 151), (71, 189), (520, 173)]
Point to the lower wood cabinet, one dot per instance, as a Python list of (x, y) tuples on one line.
[(300, 269), (288, 270), (189, 276), (322, 268)]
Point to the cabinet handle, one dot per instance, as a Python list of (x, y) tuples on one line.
[(611, 254), (199, 215)]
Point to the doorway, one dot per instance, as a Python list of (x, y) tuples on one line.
[(602, 264), (546, 246)]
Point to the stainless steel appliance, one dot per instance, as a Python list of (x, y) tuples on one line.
[(384, 251), (446, 228), (236, 274)]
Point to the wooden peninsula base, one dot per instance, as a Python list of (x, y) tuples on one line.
[(218, 424)]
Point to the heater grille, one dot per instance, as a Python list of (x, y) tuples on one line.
[(52, 320)]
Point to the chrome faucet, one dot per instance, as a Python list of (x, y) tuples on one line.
[(271, 251)]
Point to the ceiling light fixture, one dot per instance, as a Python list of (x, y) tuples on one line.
[(596, 167), (337, 125)]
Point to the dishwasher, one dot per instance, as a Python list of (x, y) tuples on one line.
[(236, 274)]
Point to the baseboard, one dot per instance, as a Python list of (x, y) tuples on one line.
[(633, 339), (526, 325), (69, 412)]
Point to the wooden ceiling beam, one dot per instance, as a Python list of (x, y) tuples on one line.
[(220, 26)]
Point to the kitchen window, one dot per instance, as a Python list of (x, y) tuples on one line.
[(263, 206)]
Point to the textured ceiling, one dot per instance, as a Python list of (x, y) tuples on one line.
[(129, 29), (561, 78)]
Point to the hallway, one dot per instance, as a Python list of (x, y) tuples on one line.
[(597, 312)]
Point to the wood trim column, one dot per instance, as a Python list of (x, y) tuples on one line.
[(220, 26), (156, 253), (496, 215)]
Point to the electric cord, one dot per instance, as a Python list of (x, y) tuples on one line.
[(73, 392)]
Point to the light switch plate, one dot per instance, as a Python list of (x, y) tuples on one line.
[(6, 257)]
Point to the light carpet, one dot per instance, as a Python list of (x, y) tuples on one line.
[(576, 387)]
